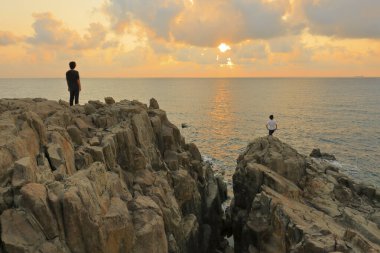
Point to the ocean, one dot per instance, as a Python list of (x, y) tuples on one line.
[(340, 116)]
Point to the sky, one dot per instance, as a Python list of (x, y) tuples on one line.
[(190, 38)]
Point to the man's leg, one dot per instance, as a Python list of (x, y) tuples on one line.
[(77, 97), (71, 97)]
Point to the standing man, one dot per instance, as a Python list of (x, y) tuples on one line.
[(73, 83), (271, 125)]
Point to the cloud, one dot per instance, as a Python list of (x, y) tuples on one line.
[(49, 31), (344, 18), (95, 37), (154, 15), (139, 56), (201, 22), (250, 51), (8, 38), (283, 44)]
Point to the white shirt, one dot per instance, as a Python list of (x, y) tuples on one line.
[(272, 124)]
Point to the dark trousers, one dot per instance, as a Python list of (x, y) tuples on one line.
[(74, 94), (271, 132)]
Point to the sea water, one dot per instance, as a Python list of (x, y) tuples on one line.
[(340, 116)]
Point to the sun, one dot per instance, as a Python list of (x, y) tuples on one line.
[(223, 47)]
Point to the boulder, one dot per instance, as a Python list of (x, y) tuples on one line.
[(24, 172), (94, 141), (153, 104), (96, 103), (316, 153), (194, 151), (109, 100), (75, 135), (184, 186), (6, 198), (34, 199), (20, 231), (89, 109), (149, 226)]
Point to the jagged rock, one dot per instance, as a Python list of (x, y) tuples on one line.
[(191, 231), (184, 186), (145, 138), (96, 153), (94, 141), (316, 153), (35, 123), (102, 178), (34, 198), (89, 109), (24, 172), (96, 103), (310, 211), (153, 104), (82, 125), (75, 135), (171, 159), (64, 103), (21, 232), (6, 198), (60, 154), (109, 100), (149, 226), (194, 151), (280, 157)]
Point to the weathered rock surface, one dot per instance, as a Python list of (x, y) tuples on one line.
[(114, 177), (316, 153), (286, 202)]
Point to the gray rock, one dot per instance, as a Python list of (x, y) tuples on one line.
[(6, 198), (75, 135), (316, 153), (194, 151), (96, 103), (34, 198), (89, 109), (109, 100), (94, 141), (24, 172), (153, 104)]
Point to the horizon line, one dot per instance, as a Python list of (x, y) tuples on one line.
[(194, 77)]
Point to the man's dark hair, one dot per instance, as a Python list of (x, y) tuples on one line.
[(72, 65), (271, 116)]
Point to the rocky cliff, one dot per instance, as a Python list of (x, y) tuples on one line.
[(286, 202), (103, 177)]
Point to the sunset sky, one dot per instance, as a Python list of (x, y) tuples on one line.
[(190, 38)]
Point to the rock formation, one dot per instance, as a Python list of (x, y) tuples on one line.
[(286, 202), (103, 177)]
